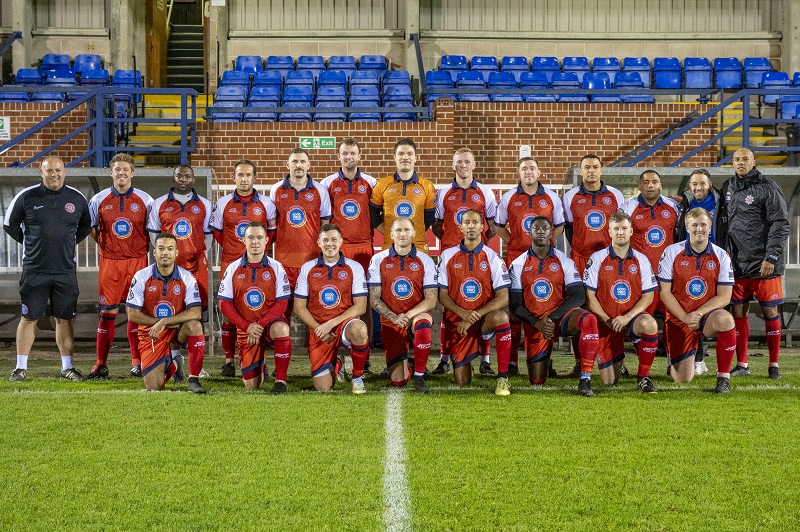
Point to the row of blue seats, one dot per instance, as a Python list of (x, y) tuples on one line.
[(62, 65), (665, 72), (305, 77), (253, 64), (217, 113), (121, 77), (323, 93)]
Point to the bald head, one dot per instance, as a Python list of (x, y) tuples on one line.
[(743, 161)]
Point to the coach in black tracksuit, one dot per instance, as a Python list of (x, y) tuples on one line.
[(49, 220)]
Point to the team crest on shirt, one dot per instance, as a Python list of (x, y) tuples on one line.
[(595, 220), (621, 291), (402, 288), (541, 289), (633, 268), (122, 228), (135, 207), (475, 197), (471, 289), (176, 289), (240, 227), (342, 275), (195, 209), (607, 201), (254, 298), (414, 266), (182, 228), (257, 211), (297, 217), (350, 210), (749, 199), (655, 236), (665, 214), (266, 276), (69, 207), (696, 288), (404, 209), (711, 265), (362, 188), (554, 267), (329, 297), (309, 196), (417, 191), (484, 266), (163, 309), (543, 203)]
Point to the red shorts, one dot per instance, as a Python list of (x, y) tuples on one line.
[(251, 357), (395, 342), (537, 347), (323, 355), (681, 340), (201, 275), (462, 349), (361, 254), (611, 344), (156, 352), (114, 280), (768, 292)]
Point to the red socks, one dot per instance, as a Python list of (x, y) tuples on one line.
[(516, 337), (105, 335), (358, 353), (773, 326), (196, 346), (646, 351), (229, 340), (133, 339), (283, 351), (171, 369), (502, 334), (742, 335), (422, 345), (727, 345), (588, 341)]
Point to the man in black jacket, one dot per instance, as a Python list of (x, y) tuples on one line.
[(752, 225), (49, 220)]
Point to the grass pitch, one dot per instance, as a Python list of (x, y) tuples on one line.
[(108, 455)]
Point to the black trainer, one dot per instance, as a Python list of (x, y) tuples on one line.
[(228, 370), (73, 375), (18, 375), (740, 371), (99, 371), (279, 387), (576, 371), (623, 371), (485, 369), (723, 385), (646, 385), (194, 385), (367, 368), (419, 384), (513, 370), (551, 372), (442, 368), (585, 388), (180, 374), (774, 372), (136, 371)]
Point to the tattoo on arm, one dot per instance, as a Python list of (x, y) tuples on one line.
[(378, 304)]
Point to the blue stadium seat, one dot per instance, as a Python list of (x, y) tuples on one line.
[(57, 65), (66, 82), (265, 93), (330, 116), (332, 77), (20, 96), (754, 69), (345, 63), (631, 80), (727, 73), (254, 116), (95, 77), (396, 77), (777, 80), (231, 93), (397, 93), (268, 77), (364, 117), (577, 64), (516, 64), (453, 64), (568, 80), (666, 73), (226, 116), (300, 96), (536, 80), (609, 65), (235, 78), (640, 65), (312, 63), (471, 80), (373, 62), (547, 65), (47, 97), (249, 63), (503, 80), (438, 79), (365, 77), (796, 79), (281, 63), (696, 73), (600, 81), (368, 93), (87, 62), (398, 116), (332, 93), (485, 64), (126, 79), (28, 76), (304, 78), (788, 107)]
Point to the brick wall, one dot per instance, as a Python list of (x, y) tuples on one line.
[(23, 116), (559, 135)]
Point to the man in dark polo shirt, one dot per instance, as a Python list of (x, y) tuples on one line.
[(49, 220)]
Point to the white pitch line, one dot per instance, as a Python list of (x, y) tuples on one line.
[(396, 499)]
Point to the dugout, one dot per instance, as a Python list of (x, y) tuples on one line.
[(154, 181)]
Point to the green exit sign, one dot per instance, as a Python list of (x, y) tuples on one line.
[(318, 143)]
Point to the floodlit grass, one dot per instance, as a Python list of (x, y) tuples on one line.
[(108, 455)]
